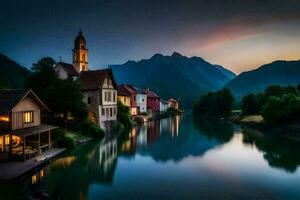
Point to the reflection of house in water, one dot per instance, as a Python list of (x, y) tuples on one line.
[(107, 155), (174, 125), (153, 131), (142, 136), (129, 145)]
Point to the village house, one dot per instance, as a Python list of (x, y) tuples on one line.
[(100, 94), (173, 103), (152, 100), (141, 100), (66, 70), (22, 135), (98, 86), (163, 105), (133, 100), (124, 96)]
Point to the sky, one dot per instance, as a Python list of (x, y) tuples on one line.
[(238, 34)]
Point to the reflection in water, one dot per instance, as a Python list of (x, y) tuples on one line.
[(212, 158), (279, 152)]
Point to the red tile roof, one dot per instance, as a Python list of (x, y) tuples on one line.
[(150, 93)]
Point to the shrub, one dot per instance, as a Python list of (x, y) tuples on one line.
[(62, 140), (88, 128), (123, 116)]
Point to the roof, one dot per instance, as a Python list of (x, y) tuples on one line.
[(150, 93), (122, 91), (130, 89), (9, 98), (138, 90), (173, 100), (33, 130), (69, 68), (164, 101), (93, 80)]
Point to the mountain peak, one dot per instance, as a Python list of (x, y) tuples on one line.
[(157, 56), (176, 54)]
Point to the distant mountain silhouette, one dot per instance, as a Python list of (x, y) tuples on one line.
[(174, 76), (12, 74), (277, 73)]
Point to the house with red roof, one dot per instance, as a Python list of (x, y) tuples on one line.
[(132, 93), (152, 100)]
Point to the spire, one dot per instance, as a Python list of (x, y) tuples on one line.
[(80, 32)]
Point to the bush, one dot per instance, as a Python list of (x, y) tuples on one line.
[(281, 109), (123, 116), (88, 128), (250, 105), (62, 140)]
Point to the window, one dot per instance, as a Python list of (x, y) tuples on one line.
[(115, 110), (114, 96), (89, 100), (28, 117), (105, 96), (107, 112), (111, 112), (143, 100), (83, 57), (103, 112)]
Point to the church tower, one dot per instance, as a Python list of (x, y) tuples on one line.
[(80, 54)]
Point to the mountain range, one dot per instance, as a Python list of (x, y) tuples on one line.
[(12, 75), (174, 76), (283, 73)]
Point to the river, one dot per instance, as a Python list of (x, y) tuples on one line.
[(174, 158)]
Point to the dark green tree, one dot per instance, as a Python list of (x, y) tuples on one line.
[(281, 109), (214, 104), (250, 105), (63, 97)]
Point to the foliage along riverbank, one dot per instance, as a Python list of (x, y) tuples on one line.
[(276, 110)]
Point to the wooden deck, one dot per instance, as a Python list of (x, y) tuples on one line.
[(13, 169)]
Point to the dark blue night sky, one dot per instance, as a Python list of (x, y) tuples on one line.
[(118, 31)]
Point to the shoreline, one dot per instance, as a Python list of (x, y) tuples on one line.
[(288, 130)]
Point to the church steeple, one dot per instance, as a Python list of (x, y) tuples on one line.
[(80, 53)]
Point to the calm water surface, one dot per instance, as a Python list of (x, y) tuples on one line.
[(174, 158)]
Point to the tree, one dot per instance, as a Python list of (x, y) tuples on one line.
[(215, 104), (4, 83), (63, 97), (250, 105), (281, 109)]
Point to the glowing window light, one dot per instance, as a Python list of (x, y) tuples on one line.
[(28, 117), (4, 118)]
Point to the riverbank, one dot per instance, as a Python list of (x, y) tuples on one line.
[(290, 130)]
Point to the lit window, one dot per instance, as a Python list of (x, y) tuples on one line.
[(28, 117)]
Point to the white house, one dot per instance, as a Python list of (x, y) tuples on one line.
[(141, 100), (163, 105)]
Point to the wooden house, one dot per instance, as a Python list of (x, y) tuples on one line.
[(21, 132)]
